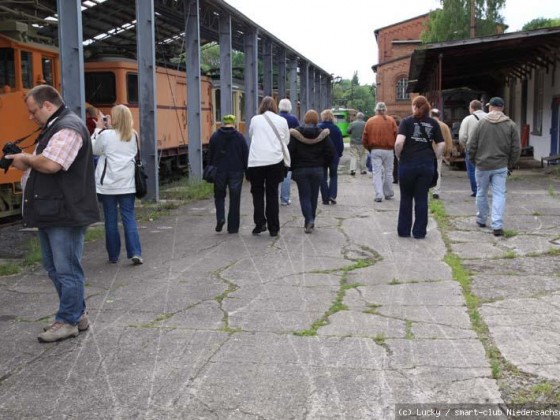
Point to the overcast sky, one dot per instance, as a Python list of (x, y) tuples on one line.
[(341, 40)]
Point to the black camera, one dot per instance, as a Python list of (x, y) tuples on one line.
[(8, 149)]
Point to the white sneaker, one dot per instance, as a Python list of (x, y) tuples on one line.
[(136, 260)]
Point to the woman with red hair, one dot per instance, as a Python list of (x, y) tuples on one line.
[(414, 151)]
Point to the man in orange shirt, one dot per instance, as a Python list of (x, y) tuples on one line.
[(379, 137)]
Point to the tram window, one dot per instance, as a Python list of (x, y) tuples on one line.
[(47, 64), (26, 69), (100, 88), (132, 88), (7, 68), (218, 105)]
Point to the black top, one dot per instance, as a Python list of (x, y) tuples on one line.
[(418, 142), (228, 150), (310, 146)]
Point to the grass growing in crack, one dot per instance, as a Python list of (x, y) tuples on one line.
[(551, 191), (394, 282), (536, 213), (8, 269), (372, 309), (510, 254), (338, 303), (409, 335), (510, 233), (542, 392), (158, 320), (379, 339)]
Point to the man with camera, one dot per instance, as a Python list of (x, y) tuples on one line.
[(59, 199)]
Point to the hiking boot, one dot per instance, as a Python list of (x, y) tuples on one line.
[(220, 225), (498, 232), (309, 227), (137, 260), (83, 325), (58, 331), (481, 225)]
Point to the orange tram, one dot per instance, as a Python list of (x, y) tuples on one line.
[(108, 81)]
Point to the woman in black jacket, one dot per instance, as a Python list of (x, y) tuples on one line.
[(311, 150)]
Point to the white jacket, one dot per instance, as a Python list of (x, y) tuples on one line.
[(468, 125), (118, 158), (265, 149)]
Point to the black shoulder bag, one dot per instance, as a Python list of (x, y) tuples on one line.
[(139, 174), (436, 174)]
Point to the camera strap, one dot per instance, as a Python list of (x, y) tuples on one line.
[(18, 141)]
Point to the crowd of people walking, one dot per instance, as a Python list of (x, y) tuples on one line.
[(63, 183)]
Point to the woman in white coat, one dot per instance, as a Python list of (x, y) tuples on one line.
[(115, 142)]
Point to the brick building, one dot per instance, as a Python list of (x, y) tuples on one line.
[(396, 44)]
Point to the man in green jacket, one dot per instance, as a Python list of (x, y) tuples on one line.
[(494, 149)]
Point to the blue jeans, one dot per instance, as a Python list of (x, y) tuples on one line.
[(414, 182), (470, 172), (285, 188), (497, 178), (111, 205), (62, 249), (308, 181), (329, 185), (232, 181)]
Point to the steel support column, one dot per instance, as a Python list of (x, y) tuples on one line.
[(281, 63), (147, 102), (303, 88), (251, 75), (311, 88), (71, 55), (194, 113), (226, 76), (293, 84), (267, 67)]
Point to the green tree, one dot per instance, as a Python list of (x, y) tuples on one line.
[(348, 93), (453, 20), (540, 23)]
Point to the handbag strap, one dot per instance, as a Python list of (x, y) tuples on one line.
[(267, 118), (137, 157)]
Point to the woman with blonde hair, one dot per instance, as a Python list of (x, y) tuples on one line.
[(414, 151), (116, 143)]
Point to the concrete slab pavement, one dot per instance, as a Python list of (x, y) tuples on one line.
[(342, 323)]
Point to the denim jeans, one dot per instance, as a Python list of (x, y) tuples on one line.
[(285, 188), (329, 185), (382, 168), (232, 181), (497, 178), (111, 205), (470, 172), (308, 181), (62, 249), (414, 182)]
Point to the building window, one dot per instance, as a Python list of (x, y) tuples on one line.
[(402, 84), (538, 102)]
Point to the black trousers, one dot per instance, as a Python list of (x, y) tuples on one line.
[(264, 185)]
